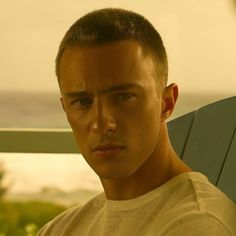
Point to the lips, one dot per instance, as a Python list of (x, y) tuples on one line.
[(107, 149)]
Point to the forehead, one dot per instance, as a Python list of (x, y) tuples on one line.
[(94, 67)]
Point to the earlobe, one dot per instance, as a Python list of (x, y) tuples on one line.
[(169, 99)]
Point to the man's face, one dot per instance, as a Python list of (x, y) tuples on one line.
[(112, 104)]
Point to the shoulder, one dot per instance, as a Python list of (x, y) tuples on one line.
[(198, 205), (67, 219), (196, 187), (209, 199), (59, 221)]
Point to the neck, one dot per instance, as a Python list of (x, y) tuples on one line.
[(160, 167)]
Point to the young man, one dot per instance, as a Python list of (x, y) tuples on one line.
[(112, 71)]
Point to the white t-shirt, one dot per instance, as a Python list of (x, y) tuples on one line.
[(185, 205)]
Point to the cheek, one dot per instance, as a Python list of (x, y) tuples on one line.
[(143, 118), (149, 123), (148, 136), (77, 124), (149, 126), (79, 131)]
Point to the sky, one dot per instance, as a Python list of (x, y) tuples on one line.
[(199, 36)]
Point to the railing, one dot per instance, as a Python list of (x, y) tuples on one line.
[(37, 141)]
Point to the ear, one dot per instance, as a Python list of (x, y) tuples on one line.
[(62, 103), (169, 99)]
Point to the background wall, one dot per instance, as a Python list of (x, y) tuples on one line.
[(199, 35)]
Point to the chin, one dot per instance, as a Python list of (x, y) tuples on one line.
[(114, 174)]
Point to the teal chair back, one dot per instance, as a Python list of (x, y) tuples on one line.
[(205, 139)]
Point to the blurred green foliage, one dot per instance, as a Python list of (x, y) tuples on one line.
[(25, 218), (3, 188)]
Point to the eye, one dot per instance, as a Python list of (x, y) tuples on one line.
[(124, 96), (82, 102)]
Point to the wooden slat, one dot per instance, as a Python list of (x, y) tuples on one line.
[(227, 180), (179, 129)]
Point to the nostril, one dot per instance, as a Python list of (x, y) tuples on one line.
[(111, 125), (103, 126), (102, 119)]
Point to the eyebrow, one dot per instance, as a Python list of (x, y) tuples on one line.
[(114, 88)]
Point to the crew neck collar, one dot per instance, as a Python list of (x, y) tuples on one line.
[(153, 194)]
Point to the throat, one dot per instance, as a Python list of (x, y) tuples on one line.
[(150, 176)]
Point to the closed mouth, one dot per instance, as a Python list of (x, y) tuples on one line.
[(107, 148)]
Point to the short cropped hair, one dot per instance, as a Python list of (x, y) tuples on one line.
[(113, 25)]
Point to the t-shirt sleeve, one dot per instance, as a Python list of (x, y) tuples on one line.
[(197, 225)]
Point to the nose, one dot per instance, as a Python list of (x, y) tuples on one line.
[(102, 120)]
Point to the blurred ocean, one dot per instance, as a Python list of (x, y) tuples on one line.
[(53, 176), (43, 110)]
